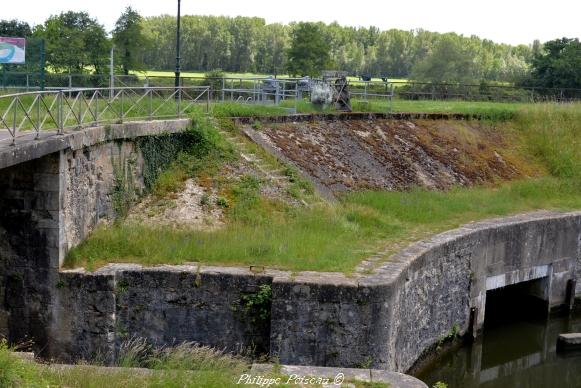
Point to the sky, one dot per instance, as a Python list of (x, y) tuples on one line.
[(503, 21)]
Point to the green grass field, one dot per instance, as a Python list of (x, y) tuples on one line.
[(183, 366), (161, 73), (324, 237)]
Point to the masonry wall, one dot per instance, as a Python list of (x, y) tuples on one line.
[(53, 193), (385, 320), (96, 313), (92, 175), (30, 215)]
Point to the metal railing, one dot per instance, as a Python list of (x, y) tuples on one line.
[(23, 114)]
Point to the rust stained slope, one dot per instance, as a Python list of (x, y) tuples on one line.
[(397, 154)]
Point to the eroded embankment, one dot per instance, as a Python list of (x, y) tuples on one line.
[(387, 154)]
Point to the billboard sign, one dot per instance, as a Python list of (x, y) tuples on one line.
[(12, 50)]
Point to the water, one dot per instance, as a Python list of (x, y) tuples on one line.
[(519, 354)]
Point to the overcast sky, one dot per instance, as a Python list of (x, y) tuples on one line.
[(508, 21)]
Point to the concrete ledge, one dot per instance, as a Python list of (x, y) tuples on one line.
[(337, 376), (569, 342), (354, 116), (28, 148)]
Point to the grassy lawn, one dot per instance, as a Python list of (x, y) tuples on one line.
[(184, 366), (161, 73), (325, 237)]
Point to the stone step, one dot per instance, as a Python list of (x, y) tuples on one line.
[(569, 342)]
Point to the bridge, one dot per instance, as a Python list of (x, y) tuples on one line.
[(56, 184)]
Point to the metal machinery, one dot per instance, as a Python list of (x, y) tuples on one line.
[(338, 80)]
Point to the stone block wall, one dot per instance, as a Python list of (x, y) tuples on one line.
[(384, 320), (30, 217), (91, 176), (95, 313), (53, 192)]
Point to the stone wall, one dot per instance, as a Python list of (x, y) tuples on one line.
[(97, 312), (385, 320), (98, 180), (53, 192), (30, 216)]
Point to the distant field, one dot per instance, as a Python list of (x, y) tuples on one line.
[(159, 73)]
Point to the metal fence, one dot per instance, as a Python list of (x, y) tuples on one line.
[(30, 113), (264, 90)]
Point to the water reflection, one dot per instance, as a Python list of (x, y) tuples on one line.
[(517, 354)]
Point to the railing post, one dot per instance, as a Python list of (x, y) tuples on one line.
[(14, 122), (97, 95), (81, 96), (179, 91), (223, 87), (61, 124), (208, 101), (150, 104), (122, 105), (39, 121)]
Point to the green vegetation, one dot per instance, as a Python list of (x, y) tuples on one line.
[(230, 109), (184, 366), (324, 237), (309, 52), (559, 66), (250, 45), (129, 40), (15, 372)]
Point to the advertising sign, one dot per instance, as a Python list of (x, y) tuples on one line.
[(12, 50)]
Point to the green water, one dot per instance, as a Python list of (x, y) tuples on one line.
[(520, 354)]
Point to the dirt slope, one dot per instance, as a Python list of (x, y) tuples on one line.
[(396, 154)]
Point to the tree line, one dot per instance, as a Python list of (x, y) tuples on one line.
[(78, 43)]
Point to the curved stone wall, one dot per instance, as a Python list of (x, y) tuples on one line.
[(386, 319)]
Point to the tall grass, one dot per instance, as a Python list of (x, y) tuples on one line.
[(15, 372), (323, 237), (327, 237), (182, 366), (553, 134)]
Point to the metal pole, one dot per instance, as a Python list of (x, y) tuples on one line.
[(61, 120), (112, 73), (42, 65), (178, 69)]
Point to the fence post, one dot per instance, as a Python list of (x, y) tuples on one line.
[(150, 104), (223, 87), (97, 94), (179, 113), (122, 105), (208, 101), (38, 121), (14, 122), (81, 97), (61, 123)]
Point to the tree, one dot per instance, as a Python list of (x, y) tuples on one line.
[(451, 60), (129, 40), (14, 28), (309, 52), (75, 43), (558, 65)]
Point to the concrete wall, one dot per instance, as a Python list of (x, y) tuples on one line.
[(386, 319)]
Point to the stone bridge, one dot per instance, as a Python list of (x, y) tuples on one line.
[(54, 191)]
